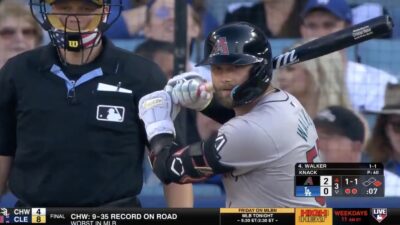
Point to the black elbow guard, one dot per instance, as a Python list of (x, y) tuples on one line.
[(193, 163)]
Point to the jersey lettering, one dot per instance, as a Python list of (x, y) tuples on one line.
[(311, 155), (304, 124)]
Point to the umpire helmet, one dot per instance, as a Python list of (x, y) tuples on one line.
[(241, 43)]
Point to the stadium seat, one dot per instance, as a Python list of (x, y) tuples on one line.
[(381, 53)]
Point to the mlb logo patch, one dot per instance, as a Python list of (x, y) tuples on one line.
[(110, 113), (379, 214)]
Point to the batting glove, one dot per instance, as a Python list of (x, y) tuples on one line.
[(158, 112), (190, 90)]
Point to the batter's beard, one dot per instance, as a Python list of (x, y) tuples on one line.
[(227, 102)]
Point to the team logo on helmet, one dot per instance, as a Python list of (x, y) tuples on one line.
[(220, 47)]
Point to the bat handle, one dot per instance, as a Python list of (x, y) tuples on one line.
[(205, 90)]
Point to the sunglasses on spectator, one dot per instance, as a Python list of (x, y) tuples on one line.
[(395, 125), (8, 33)]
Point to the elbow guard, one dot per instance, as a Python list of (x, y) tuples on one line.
[(192, 163)]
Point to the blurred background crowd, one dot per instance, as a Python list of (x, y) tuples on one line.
[(353, 95)]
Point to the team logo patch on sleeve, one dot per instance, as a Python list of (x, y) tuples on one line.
[(110, 113), (220, 142)]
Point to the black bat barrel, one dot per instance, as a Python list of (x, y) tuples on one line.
[(361, 32)]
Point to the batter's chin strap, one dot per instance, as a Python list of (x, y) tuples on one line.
[(190, 164)]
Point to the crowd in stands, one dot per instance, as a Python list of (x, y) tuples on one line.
[(336, 92)]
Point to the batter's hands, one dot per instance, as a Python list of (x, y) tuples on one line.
[(158, 112), (190, 90)]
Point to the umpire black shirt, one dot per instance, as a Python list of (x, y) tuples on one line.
[(75, 140)]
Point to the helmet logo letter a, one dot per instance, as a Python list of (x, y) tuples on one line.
[(73, 44), (220, 47)]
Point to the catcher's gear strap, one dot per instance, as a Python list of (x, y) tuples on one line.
[(192, 163)]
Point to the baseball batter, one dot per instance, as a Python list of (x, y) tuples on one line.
[(258, 148), (263, 146)]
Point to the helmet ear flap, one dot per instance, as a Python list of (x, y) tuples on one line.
[(258, 82)]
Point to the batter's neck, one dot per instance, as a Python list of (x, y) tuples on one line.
[(243, 109)]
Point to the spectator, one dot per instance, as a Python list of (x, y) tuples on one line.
[(342, 135), (160, 52), (133, 18), (277, 18), (384, 145), (365, 84), (160, 18), (19, 31), (131, 22), (316, 83)]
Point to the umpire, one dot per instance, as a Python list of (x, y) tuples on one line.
[(70, 135)]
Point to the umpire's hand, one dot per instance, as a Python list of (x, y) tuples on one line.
[(190, 90)]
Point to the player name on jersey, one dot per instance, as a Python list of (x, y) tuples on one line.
[(339, 179)]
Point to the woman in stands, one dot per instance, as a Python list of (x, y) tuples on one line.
[(19, 31), (384, 145), (316, 83), (278, 19)]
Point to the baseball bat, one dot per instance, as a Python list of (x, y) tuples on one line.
[(352, 35)]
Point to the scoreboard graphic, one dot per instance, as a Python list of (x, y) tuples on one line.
[(339, 180), (200, 216)]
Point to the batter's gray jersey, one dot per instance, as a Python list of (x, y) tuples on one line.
[(264, 145)]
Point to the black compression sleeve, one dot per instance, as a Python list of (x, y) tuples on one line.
[(218, 112)]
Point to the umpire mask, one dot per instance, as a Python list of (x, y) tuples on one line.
[(72, 28), (241, 43)]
